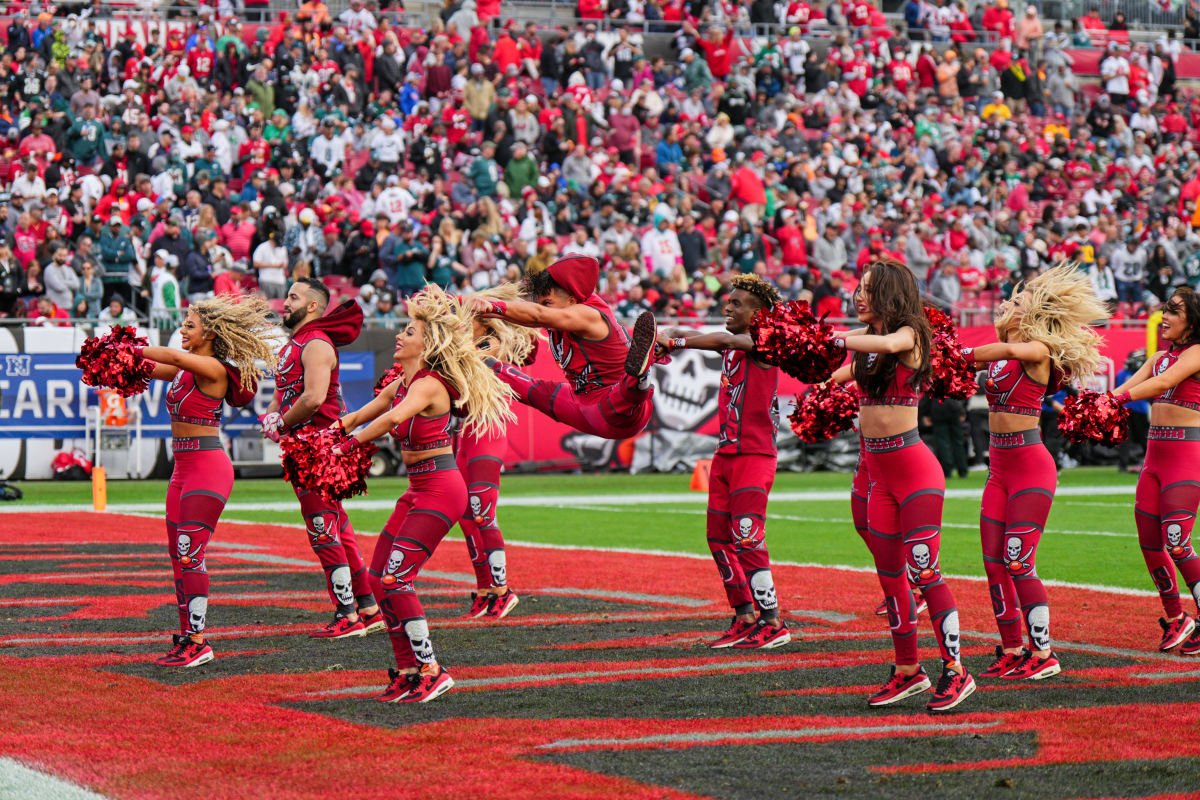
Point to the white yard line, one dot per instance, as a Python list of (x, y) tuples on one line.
[(20, 781)]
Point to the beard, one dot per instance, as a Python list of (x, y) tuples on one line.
[(293, 320)]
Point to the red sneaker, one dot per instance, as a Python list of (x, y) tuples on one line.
[(951, 690), (479, 605), (431, 682), (641, 345), (737, 631), (1003, 663), (1175, 631), (501, 604), (187, 654), (340, 628), (173, 653), (765, 636), (400, 684), (372, 623), (881, 609), (1032, 668), (1191, 645), (922, 606), (899, 687)]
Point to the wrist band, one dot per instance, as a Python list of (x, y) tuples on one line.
[(499, 307), (839, 343), (678, 344), (968, 353), (1123, 398)]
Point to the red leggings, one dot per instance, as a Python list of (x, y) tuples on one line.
[(904, 512), (197, 494), (619, 411), (1165, 510), (738, 486), (1016, 501), (435, 499), (480, 460), (332, 540), (860, 488)]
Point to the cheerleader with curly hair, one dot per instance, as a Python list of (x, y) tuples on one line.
[(907, 487), (1168, 489), (480, 457), (1046, 340), (442, 370), (223, 342)]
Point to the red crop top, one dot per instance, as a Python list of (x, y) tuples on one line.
[(899, 393), (1010, 390), (187, 404), (1186, 393), (425, 433)]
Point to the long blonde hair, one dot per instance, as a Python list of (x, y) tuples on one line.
[(514, 343), (1061, 309), (242, 333), (450, 352)]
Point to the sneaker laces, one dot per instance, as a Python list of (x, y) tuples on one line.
[(947, 680)]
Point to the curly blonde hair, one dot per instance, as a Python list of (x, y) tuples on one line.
[(1060, 310), (514, 342), (242, 333), (450, 352)]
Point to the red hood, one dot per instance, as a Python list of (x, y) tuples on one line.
[(342, 325), (579, 275), (236, 395)]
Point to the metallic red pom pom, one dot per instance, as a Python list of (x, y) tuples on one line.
[(952, 375), (311, 462), (392, 374), (824, 412), (789, 336), (113, 361), (1094, 417)]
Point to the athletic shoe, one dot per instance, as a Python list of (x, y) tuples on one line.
[(881, 609), (899, 687), (641, 349), (372, 623), (765, 636), (431, 682), (1033, 668), (951, 690), (479, 605), (340, 628), (500, 604), (1175, 631), (922, 606), (1191, 645), (173, 653), (399, 685), (1003, 663), (737, 631), (187, 654)]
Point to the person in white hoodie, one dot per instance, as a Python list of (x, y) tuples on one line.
[(660, 247)]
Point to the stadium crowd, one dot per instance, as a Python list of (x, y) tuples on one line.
[(379, 157)]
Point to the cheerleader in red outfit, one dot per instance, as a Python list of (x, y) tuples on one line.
[(441, 369), (222, 340), (1045, 341), (907, 486), (1168, 489), (480, 458)]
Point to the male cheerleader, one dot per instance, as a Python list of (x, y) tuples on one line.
[(743, 468), (308, 393), (608, 392)]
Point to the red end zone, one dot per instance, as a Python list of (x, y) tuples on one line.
[(72, 620)]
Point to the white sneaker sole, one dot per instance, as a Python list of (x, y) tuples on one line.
[(441, 690), (1048, 672), (204, 659), (967, 691), (346, 635), (916, 688), (375, 627)]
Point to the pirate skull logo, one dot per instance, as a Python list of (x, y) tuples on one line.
[(763, 586), (950, 635), (999, 384), (479, 512), (197, 609), (686, 389), (418, 638), (745, 530), (498, 565), (1039, 627), (924, 563), (1175, 539), (339, 581), (187, 557), (319, 531), (920, 554), (393, 575)]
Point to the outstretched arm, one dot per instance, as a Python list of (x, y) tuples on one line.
[(371, 411), (902, 341), (575, 318), (720, 341), (1028, 352), (210, 373), (421, 394), (1144, 386)]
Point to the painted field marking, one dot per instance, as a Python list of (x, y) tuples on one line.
[(26, 783), (722, 737)]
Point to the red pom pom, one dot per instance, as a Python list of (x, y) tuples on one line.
[(113, 361), (1094, 417), (824, 412), (395, 373), (952, 375), (789, 336), (310, 462)]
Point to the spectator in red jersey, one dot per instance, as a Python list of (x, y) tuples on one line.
[(719, 49)]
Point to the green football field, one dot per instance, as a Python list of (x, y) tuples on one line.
[(1090, 537)]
